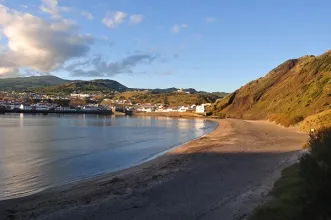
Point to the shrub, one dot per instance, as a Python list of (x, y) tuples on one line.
[(315, 169), (304, 190)]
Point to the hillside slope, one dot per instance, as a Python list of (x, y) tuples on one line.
[(170, 98), (288, 94), (98, 85), (30, 83)]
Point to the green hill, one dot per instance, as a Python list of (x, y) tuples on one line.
[(288, 94), (52, 84), (30, 83), (98, 85)]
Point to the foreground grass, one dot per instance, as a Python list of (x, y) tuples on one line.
[(287, 198), (304, 190)]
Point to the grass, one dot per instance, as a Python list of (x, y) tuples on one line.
[(287, 192), (303, 192), (316, 121)]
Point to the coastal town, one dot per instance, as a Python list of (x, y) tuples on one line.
[(84, 102)]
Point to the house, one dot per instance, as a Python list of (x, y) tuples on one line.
[(80, 95), (13, 105), (26, 107), (200, 108), (146, 108), (41, 107), (91, 107), (172, 109), (183, 108), (60, 108)]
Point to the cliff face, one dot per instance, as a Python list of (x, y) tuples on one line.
[(288, 94)]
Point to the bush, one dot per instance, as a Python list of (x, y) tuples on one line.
[(315, 169), (304, 190)]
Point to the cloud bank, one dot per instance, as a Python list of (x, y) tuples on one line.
[(98, 67), (37, 44)]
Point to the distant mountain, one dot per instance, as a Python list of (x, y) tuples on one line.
[(30, 83), (98, 85), (288, 94), (53, 84)]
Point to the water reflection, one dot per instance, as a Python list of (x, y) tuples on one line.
[(21, 120), (40, 151)]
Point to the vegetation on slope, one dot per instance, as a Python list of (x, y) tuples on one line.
[(303, 192), (30, 83), (316, 121), (289, 93), (98, 85), (169, 99)]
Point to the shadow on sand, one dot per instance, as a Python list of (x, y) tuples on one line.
[(186, 186)]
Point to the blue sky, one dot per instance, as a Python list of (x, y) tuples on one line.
[(209, 45)]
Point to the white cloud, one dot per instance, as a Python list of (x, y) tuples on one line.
[(51, 7), (176, 28), (63, 25), (112, 20), (136, 19), (97, 67), (210, 19), (6, 72), (36, 44), (87, 15)]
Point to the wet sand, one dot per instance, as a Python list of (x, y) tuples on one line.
[(223, 175)]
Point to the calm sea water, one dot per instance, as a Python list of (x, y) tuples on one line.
[(39, 151)]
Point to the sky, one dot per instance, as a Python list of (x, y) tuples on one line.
[(209, 45)]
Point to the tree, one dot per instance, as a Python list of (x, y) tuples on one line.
[(166, 101)]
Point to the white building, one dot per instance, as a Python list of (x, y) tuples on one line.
[(41, 107), (146, 108), (80, 95), (174, 109), (183, 108), (91, 107), (60, 108), (25, 107), (200, 108)]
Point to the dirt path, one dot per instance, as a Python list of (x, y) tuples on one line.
[(221, 176)]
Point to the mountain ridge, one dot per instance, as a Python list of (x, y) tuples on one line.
[(288, 94), (54, 84), (32, 82)]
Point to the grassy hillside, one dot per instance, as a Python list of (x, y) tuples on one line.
[(289, 93), (171, 99), (316, 121), (98, 85), (29, 83)]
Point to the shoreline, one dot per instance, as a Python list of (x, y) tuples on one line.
[(122, 186), (170, 114), (119, 170)]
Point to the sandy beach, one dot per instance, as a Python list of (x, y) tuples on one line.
[(223, 175)]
